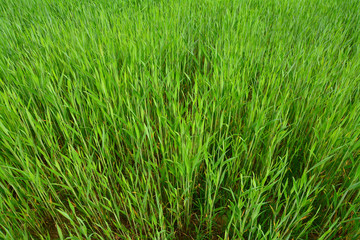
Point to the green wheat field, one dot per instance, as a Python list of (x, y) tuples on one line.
[(179, 119)]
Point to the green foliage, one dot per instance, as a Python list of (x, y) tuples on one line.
[(190, 119)]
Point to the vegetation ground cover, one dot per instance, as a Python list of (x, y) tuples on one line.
[(190, 119)]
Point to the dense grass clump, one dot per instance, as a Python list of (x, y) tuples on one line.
[(191, 119)]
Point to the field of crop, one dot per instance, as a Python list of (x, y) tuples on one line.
[(191, 119)]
